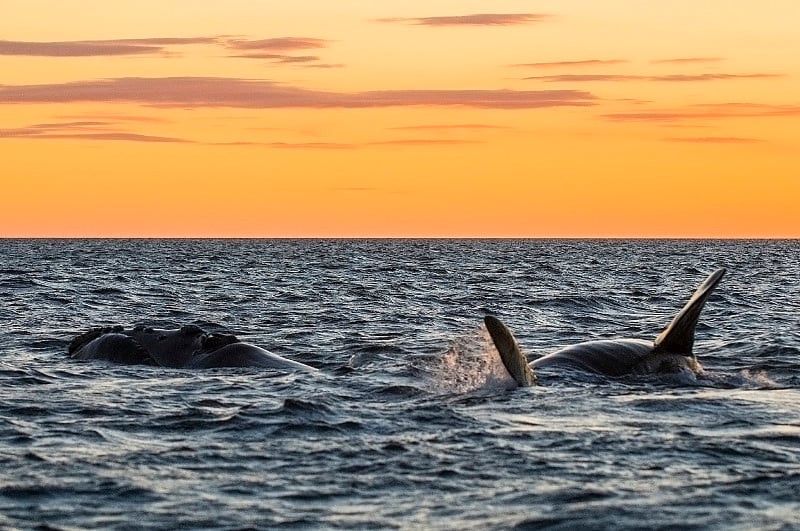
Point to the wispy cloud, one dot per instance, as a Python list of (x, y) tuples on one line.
[(103, 130), (354, 189), (85, 125), (196, 92), (425, 142), (582, 78), (687, 60), (449, 127), (309, 145), (714, 140), (489, 99), (283, 44), (279, 58), (112, 131), (307, 61), (748, 109), (324, 65), (83, 130), (561, 64), (129, 137), (99, 47), (112, 117), (710, 111), (479, 19), (338, 145), (276, 50)]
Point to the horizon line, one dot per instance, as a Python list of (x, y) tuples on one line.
[(620, 238)]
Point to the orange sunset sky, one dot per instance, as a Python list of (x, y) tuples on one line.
[(242, 118)]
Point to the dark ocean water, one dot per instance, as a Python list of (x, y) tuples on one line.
[(424, 432)]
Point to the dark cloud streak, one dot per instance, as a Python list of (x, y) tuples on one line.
[(82, 131), (89, 130), (584, 78), (277, 44), (274, 50), (714, 140), (130, 137), (560, 64), (204, 92), (710, 111), (687, 60), (308, 145), (479, 19), (448, 127), (157, 45), (93, 48), (112, 117), (425, 142)]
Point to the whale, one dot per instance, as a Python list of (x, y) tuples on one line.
[(670, 352), (187, 347)]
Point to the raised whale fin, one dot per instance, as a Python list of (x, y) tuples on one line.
[(678, 336), (514, 360)]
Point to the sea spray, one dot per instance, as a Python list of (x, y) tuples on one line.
[(470, 363)]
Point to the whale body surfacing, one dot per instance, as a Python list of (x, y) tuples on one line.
[(671, 352), (188, 347)]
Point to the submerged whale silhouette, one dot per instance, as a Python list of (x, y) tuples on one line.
[(188, 347), (670, 352)]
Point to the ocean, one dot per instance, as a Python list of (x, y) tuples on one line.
[(411, 423)]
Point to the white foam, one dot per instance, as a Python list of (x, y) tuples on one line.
[(470, 363)]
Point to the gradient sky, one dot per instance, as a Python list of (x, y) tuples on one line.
[(585, 118)]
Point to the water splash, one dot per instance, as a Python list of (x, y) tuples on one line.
[(470, 363), (744, 378)]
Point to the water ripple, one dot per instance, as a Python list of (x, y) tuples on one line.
[(412, 423)]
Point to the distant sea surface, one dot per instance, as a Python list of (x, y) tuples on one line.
[(411, 423)]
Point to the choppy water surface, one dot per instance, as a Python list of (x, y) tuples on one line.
[(423, 432)]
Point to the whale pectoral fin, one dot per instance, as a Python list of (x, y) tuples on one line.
[(513, 359), (678, 336)]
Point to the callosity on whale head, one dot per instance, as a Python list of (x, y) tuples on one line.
[(672, 350)]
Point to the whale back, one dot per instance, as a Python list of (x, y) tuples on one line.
[(187, 347), (611, 357), (678, 336), (670, 352), (111, 346), (240, 354)]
